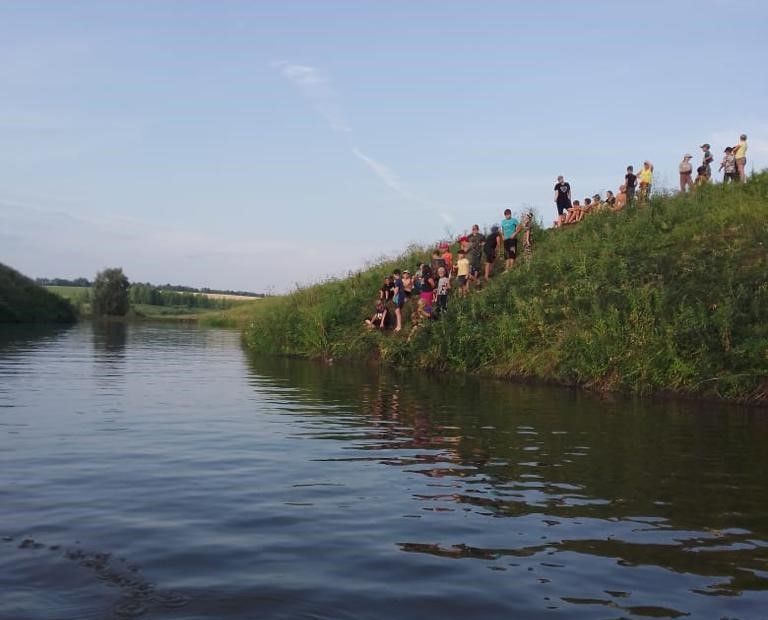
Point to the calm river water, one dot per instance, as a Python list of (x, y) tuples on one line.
[(157, 472)]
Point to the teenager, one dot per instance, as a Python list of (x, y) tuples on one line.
[(509, 228), (562, 198)]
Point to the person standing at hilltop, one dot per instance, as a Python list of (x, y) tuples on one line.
[(509, 229), (740, 153), (707, 159), (562, 198), (630, 182), (646, 181), (728, 166), (686, 173)]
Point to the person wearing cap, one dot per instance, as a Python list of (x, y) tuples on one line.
[(740, 154), (707, 159), (475, 252), (686, 173), (728, 166), (646, 181)]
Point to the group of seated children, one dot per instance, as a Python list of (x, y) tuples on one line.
[(430, 285)]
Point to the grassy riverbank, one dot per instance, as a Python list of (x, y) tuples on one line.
[(23, 301), (669, 298)]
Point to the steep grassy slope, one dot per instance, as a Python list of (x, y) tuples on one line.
[(23, 301), (671, 297)]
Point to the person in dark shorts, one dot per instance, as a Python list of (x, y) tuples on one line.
[(509, 229), (562, 198), (398, 299), (490, 247), (630, 182), (379, 318), (476, 240)]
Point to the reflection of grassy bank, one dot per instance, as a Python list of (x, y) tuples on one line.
[(671, 298)]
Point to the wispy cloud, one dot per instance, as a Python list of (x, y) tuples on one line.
[(317, 88), (384, 173)]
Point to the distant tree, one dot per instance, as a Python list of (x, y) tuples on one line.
[(109, 295)]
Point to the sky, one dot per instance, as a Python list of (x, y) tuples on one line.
[(260, 145)]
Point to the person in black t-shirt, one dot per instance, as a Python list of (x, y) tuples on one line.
[(562, 198), (490, 248), (630, 181), (386, 292)]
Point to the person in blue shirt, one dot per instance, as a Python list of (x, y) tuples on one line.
[(510, 226)]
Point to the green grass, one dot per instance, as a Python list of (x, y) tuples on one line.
[(23, 301), (667, 298)]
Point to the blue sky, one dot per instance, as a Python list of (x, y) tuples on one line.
[(254, 145)]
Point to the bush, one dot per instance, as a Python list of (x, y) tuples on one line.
[(109, 296)]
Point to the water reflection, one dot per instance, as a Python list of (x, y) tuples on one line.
[(674, 486)]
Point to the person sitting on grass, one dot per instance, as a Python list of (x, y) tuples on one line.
[(379, 318), (385, 292), (421, 314), (407, 284), (574, 213), (621, 199), (702, 177), (610, 200), (462, 272)]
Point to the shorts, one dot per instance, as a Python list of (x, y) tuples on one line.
[(462, 280), (399, 300), (564, 206), (489, 258), (510, 248)]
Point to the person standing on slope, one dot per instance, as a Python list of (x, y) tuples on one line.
[(562, 199)]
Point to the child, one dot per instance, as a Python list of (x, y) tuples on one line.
[(610, 200), (443, 286), (630, 180), (379, 318), (398, 299), (385, 292), (462, 272), (728, 165), (702, 178)]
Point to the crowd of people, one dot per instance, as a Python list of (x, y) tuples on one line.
[(425, 291), (636, 188)]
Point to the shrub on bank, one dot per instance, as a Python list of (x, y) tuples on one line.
[(670, 297)]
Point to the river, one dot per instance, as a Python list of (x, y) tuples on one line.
[(159, 472)]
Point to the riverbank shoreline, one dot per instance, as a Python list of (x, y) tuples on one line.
[(669, 300)]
